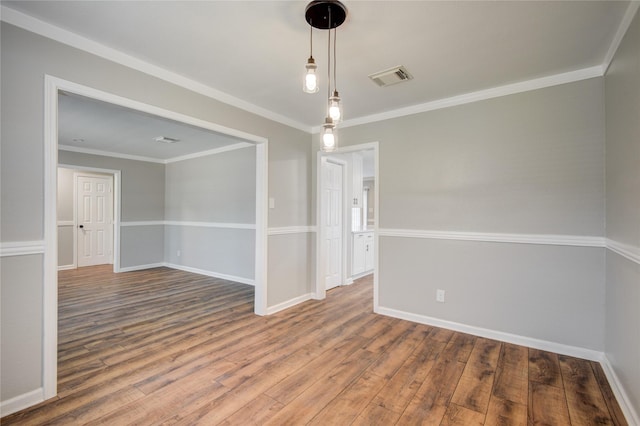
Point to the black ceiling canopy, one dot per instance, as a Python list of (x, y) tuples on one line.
[(325, 14)]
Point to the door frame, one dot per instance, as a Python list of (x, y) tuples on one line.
[(116, 176), (319, 288), (52, 87)]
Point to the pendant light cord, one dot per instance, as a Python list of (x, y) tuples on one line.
[(335, 80), (311, 39), (329, 63)]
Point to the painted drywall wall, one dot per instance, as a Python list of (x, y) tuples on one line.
[(217, 188), (622, 88), (218, 192), (65, 217), (26, 59), (21, 366), (529, 163)]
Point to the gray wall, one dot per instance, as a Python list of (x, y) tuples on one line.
[(622, 84), (65, 213), (26, 58), (530, 163), (217, 188)]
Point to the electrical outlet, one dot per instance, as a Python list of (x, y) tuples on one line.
[(440, 295), (178, 253)]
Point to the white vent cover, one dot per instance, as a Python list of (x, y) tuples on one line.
[(165, 139), (391, 76)]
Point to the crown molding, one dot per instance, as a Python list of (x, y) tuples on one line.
[(622, 30), (480, 95), (45, 29), (155, 160), (109, 154), (209, 152)]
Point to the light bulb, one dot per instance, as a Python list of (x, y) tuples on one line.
[(334, 107), (311, 78), (328, 135)]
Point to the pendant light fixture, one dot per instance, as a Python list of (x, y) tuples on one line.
[(326, 15), (310, 84)]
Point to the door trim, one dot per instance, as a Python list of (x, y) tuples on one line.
[(319, 288), (116, 210), (52, 85)]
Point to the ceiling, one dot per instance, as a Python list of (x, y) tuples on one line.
[(253, 53), (89, 125)]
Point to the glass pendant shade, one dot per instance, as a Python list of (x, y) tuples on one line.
[(311, 78), (328, 135), (335, 109)]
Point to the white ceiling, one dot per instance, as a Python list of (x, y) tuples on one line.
[(254, 52), (88, 125)]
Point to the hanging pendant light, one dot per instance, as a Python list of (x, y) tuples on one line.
[(329, 139), (327, 15), (335, 109), (310, 84)]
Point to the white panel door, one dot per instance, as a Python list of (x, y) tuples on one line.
[(332, 223), (95, 220)]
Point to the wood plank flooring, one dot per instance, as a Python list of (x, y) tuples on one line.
[(168, 347)]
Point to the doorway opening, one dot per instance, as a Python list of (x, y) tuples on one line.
[(356, 254), (54, 87), (87, 234)]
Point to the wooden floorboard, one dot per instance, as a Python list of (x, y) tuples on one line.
[(163, 346)]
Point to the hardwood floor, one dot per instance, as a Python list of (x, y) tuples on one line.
[(169, 347)]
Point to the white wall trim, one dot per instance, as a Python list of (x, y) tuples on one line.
[(143, 223), (151, 159), (20, 402), (559, 240), (631, 415), (21, 248), (630, 252), (214, 151), (142, 267), (210, 224), (617, 39), (69, 38), (66, 267), (109, 154), (188, 223), (559, 348), (289, 303), (213, 274), (62, 223), (284, 230)]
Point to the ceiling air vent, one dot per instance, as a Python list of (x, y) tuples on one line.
[(391, 76), (166, 139)]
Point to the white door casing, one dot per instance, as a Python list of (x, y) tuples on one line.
[(95, 220), (333, 175)]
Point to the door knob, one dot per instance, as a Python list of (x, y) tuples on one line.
[(81, 226)]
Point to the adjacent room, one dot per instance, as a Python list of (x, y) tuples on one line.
[(327, 212)]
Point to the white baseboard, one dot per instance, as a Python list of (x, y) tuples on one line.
[(559, 348), (289, 303), (631, 415), (141, 267), (66, 267), (211, 273), (20, 402)]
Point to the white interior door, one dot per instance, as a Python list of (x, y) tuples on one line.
[(95, 219), (332, 223)]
